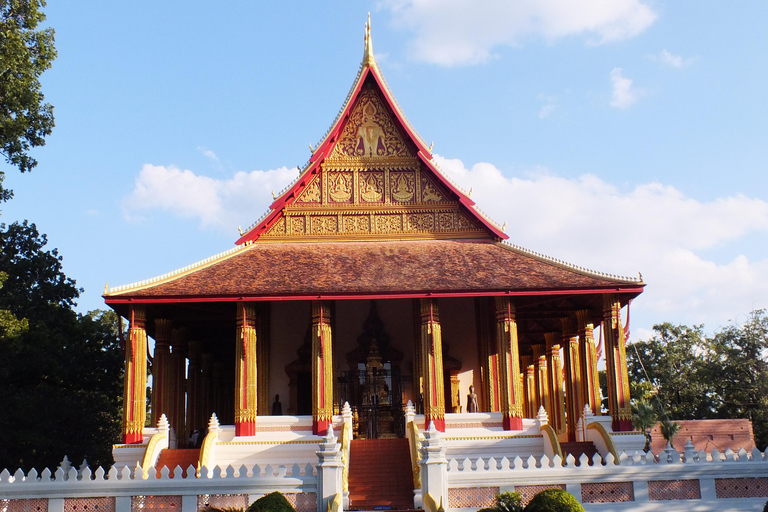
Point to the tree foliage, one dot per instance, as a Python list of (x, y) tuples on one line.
[(60, 372), (695, 376), (25, 53)]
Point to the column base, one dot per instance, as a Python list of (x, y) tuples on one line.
[(245, 428), (439, 424), (133, 437), (320, 427), (512, 423), (622, 425)]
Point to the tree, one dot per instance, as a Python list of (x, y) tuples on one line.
[(697, 376), (644, 419), (60, 372), (737, 367), (25, 52), (672, 363)]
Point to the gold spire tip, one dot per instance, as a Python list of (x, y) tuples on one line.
[(368, 53)]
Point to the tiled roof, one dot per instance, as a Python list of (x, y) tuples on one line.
[(311, 269), (708, 435)]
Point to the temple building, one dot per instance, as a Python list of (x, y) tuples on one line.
[(373, 280)]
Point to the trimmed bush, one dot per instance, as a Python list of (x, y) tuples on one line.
[(554, 500), (509, 502), (272, 502)]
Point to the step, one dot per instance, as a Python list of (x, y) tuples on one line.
[(380, 475), (171, 458), (577, 448)]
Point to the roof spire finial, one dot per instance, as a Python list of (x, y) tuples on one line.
[(368, 53)]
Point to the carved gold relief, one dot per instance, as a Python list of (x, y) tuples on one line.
[(371, 186), (445, 221), (420, 221), (278, 229), (463, 223), (340, 186), (402, 186), (430, 193), (357, 224), (297, 225), (323, 225), (370, 130), (311, 194), (389, 223)]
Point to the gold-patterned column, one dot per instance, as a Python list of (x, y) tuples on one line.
[(322, 367), (616, 365), (432, 364), (246, 383), (542, 387), (160, 362), (555, 382), (529, 386), (487, 350), (590, 382), (574, 404), (510, 384), (263, 343), (135, 379)]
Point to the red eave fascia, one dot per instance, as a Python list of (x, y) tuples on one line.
[(636, 289)]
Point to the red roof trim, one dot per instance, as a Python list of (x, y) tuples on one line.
[(331, 296)]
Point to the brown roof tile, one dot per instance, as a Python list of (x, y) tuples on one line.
[(397, 267)]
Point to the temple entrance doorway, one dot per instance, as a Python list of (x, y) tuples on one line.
[(373, 385)]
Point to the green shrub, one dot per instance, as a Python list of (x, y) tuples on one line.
[(554, 500), (509, 502), (272, 502)]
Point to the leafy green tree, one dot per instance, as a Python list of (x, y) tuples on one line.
[(737, 367), (25, 53), (60, 372), (672, 362), (644, 419), (669, 430)]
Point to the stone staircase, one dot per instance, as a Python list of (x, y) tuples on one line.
[(577, 448), (380, 475), (171, 458)]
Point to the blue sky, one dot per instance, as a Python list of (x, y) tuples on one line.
[(618, 135)]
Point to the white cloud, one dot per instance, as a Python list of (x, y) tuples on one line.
[(460, 32), (624, 94), (654, 229), (548, 107), (208, 154), (228, 203), (675, 61)]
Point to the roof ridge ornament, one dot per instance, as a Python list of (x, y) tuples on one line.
[(368, 59)]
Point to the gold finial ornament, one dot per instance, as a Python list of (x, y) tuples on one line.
[(504, 226), (469, 194), (274, 196), (311, 148), (368, 53), (431, 145), (240, 229)]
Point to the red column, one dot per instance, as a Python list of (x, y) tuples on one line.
[(510, 383), (322, 368), (245, 371), (574, 402), (555, 382), (616, 365), (432, 365), (135, 380)]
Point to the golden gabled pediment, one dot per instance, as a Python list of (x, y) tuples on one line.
[(370, 131)]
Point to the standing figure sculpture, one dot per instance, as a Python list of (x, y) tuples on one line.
[(472, 400)]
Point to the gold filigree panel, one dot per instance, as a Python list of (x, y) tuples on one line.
[(402, 186), (371, 186), (324, 225), (431, 193), (297, 226), (311, 193), (420, 222), (389, 224), (340, 187), (370, 130), (357, 224), (278, 229)]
